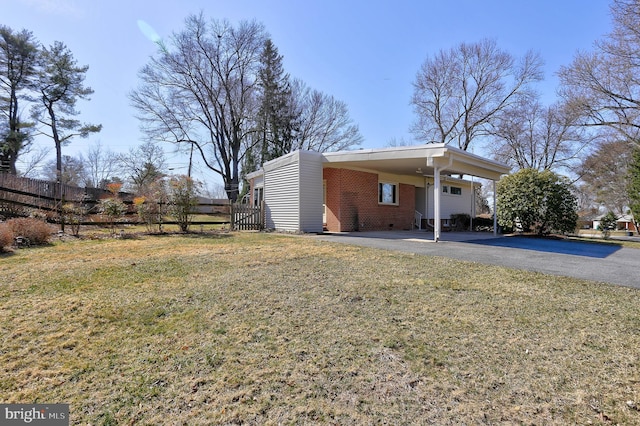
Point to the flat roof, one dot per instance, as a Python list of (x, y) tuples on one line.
[(421, 159), (409, 161)]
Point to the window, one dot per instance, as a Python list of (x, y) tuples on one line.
[(258, 196), (387, 193), (453, 190)]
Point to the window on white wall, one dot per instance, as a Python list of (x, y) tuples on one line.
[(387, 193), (451, 190), (258, 196)]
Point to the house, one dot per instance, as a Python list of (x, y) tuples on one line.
[(624, 223), (376, 189)]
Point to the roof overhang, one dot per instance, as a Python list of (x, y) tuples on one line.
[(422, 159)]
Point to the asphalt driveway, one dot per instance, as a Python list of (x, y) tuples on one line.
[(607, 263)]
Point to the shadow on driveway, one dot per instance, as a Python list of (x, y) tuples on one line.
[(576, 248)]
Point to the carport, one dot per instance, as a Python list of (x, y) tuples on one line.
[(430, 160)]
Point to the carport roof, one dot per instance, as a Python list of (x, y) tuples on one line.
[(418, 159)]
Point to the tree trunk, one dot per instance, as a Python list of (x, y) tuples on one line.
[(56, 140)]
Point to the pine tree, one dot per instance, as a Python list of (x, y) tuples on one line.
[(276, 118), (18, 56), (59, 86)]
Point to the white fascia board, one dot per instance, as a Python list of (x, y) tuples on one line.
[(478, 161), (399, 153), (292, 157), (255, 174)]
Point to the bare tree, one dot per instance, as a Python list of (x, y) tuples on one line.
[(100, 166), (143, 166), (603, 86), (214, 190), (458, 93), (71, 172), (325, 124), (528, 135), (201, 90), (395, 142), (32, 159), (604, 173)]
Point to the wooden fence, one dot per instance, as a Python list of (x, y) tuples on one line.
[(35, 193), (19, 193), (247, 218)]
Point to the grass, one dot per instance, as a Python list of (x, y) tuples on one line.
[(271, 329), (596, 236)]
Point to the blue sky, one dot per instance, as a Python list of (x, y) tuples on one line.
[(365, 53)]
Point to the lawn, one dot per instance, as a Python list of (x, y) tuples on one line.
[(271, 329)]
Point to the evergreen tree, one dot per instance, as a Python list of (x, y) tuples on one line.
[(634, 186), (18, 57), (59, 86), (276, 118)]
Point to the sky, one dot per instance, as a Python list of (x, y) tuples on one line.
[(365, 53)]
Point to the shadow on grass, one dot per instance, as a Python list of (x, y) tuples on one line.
[(194, 235), (13, 249), (551, 245), (6, 253)]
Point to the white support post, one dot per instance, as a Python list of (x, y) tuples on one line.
[(436, 204), (426, 200), (495, 211)]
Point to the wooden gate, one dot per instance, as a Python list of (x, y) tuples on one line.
[(247, 218)]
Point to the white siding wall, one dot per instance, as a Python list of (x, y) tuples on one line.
[(293, 192), (451, 204), (310, 191), (282, 193)]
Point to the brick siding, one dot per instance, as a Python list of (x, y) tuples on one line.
[(352, 203)]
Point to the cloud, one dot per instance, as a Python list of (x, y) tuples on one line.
[(69, 8)]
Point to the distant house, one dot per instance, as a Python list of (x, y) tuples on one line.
[(624, 223), (364, 190)]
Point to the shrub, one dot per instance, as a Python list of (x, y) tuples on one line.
[(6, 236), (183, 197), (73, 214), (113, 208), (483, 223), (152, 204), (540, 202), (148, 212), (461, 221), (607, 224), (36, 231)]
